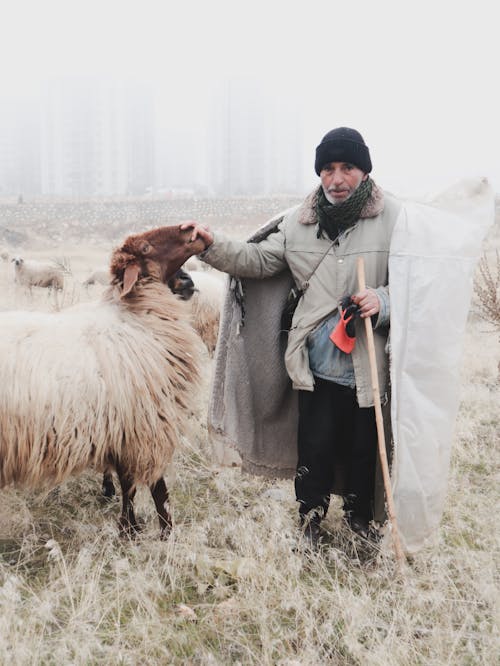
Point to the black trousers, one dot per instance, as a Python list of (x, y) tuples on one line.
[(337, 448)]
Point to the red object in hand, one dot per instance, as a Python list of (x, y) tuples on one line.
[(340, 338), (343, 335)]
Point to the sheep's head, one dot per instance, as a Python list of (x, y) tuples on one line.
[(18, 261), (158, 253)]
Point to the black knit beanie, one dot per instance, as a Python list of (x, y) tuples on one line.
[(343, 144)]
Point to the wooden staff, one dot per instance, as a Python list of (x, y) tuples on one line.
[(380, 423)]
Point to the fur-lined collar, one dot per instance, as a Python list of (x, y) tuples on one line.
[(373, 207)]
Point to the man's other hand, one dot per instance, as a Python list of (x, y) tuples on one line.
[(368, 302)]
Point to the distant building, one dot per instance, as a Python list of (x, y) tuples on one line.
[(285, 160), (177, 155), (19, 148), (254, 145), (97, 139), (140, 134), (92, 137)]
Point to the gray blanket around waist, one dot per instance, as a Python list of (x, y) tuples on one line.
[(253, 407)]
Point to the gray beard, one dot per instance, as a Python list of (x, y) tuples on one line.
[(330, 199)]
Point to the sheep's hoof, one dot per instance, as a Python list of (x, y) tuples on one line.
[(165, 532), (108, 493), (108, 487), (128, 529)]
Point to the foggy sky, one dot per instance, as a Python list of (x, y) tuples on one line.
[(417, 79)]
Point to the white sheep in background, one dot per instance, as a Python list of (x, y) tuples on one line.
[(195, 264), (31, 273), (4, 255), (206, 305), (98, 276), (105, 384)]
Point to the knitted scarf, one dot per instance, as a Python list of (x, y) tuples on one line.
[(333, 219)]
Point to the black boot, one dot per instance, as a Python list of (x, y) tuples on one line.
[(357, 524), (356, 518)]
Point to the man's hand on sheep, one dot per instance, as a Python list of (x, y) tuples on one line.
[(199, 231)]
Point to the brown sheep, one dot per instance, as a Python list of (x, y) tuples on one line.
[(105, 384)]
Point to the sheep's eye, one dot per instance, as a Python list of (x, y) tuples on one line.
[(146, 248)]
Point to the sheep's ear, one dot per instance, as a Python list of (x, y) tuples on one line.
[(130, 278)]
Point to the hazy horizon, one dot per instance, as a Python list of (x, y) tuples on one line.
[(418, 82)]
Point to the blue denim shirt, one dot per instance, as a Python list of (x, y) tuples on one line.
[(326, 360)]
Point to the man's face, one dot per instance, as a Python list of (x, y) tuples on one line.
[(340, 179)]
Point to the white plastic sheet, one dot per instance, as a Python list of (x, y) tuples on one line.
[(431, 267)]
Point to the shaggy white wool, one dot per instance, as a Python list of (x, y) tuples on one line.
[(98, 380)]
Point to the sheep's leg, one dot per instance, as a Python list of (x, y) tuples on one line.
[(128, 523), (160, 496), (108, 487)]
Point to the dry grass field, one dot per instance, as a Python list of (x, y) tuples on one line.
[(229, 586)]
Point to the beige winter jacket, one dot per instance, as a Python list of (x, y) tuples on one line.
[(294, 244)]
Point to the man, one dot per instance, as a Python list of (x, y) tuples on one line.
[(347, 216)]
